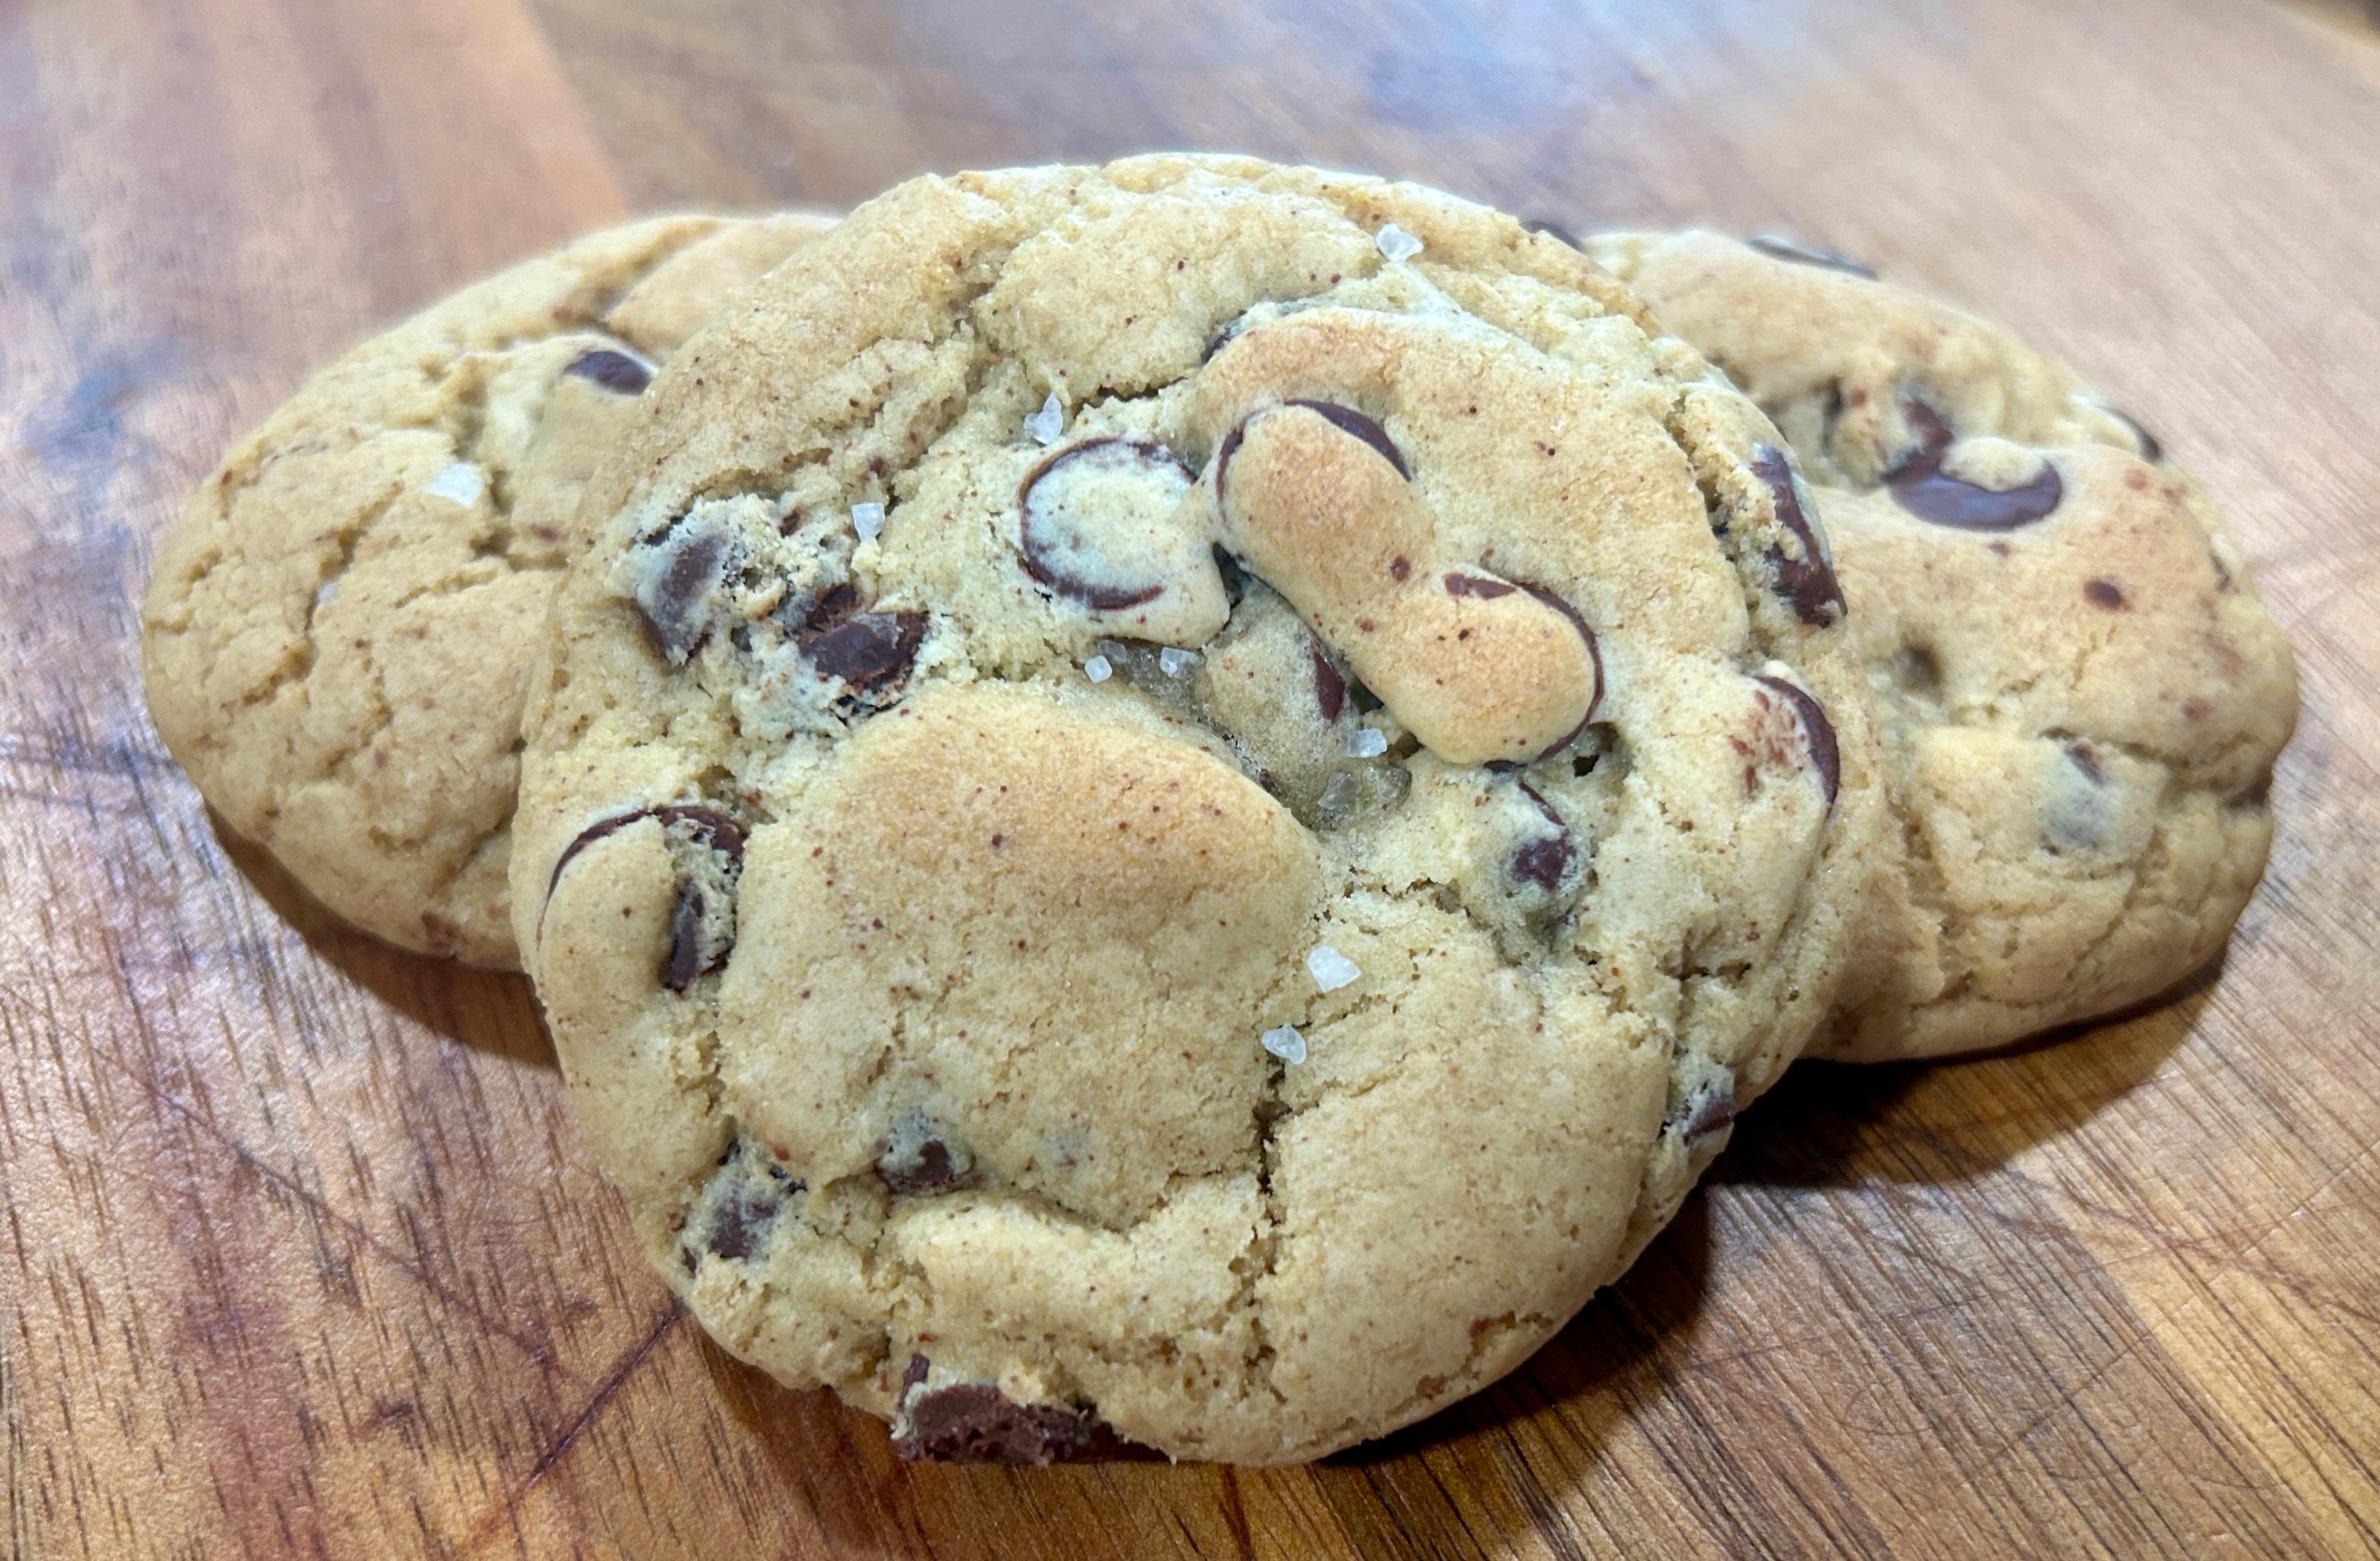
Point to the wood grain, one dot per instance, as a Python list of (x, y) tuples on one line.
[(301, 1257)]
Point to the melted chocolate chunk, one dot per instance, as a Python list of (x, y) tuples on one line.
[(1709, 1110), (2151, 450), (934, 1171), (1060, 553), (1825, 756), (1223, 453), (975, 1423), (1235, 579), (1478, 586), (866, 650), (2104, 593), (1329, 688), (1349, 420), (685, 964), (675, 596), (717, 829), (1809, 581), (1551, 230), (1919, 484), (1548, 860), (1595, 653), (741, 1225), (615, 371), (1782, 248)]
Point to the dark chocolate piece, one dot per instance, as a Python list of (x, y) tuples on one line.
[(1709, 1110), (1809, 581), (1825, 756), (1349, 420), (1478, 586), (2104, 593), (1779, 248), (615, 371), (674, 599), (719, 832), (1551, 230), (740, 1227), (2152, 451), (1546, 861), (866, 650), (1329, 687), (1919, 484), (1058, 554)]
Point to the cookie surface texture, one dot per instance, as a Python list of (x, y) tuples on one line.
[(340, 623), (1159, 815), (2080, 696)]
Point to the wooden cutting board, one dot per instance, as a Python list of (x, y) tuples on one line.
[(301, 1254)]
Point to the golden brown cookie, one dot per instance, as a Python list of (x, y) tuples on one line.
[(340, 625), (2081, 698), (1176, 803)]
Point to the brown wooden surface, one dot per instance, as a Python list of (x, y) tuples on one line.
[(300, 1256)]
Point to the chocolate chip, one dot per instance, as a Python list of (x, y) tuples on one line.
[(1782, 249), (1084, 520), (1825, 756), (2104, 593), (1478, 585), (1223, 453), (1595, 653), (934, 1172), (1807, 582), (1551, 230), (1348, 421), (1545, 861), (1919, 485), (674, 590), (920, 1157), (975, 1423), (1329, 688), (866, 650), (1709, 1111), (1235, 579), (2151, 450), (2086, 759), (615, 371), (717, 829), (686, 962), (740, 1226)]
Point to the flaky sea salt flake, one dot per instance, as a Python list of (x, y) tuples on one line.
[(1367, 743), (1097, 668), (1046, 424), (1330, 969), (1397, 244), (868, 519), (1285, 1043), (1177, 663), (461, 483)]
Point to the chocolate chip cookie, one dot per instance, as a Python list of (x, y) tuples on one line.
[(2080, 695), (1176, 804), (340, 625)]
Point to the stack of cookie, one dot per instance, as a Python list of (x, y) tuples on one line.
[(1173, 805)]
